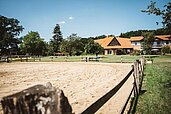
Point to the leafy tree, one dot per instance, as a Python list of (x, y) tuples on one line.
[(72, 45), (166, 49), (147, 42), (49, 46), (165, 14), (93, 48), (33, 44), (9, 30), (160, 31), (99, 37), (134, 33), (57, 38)]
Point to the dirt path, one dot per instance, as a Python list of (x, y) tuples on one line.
[(83, 83)]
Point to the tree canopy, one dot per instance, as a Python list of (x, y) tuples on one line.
[(147, 42), (57, 39), (92, 47), (161, 31), (75, 45), (10, 29), (165, 13), (33, 44), (72, 45)]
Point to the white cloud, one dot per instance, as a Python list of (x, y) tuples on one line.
[(62, 22), (71, 18)]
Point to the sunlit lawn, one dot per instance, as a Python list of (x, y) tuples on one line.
[(103, 58), (157, 83)]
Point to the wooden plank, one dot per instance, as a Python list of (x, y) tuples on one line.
[(100, 102), (127, 101)]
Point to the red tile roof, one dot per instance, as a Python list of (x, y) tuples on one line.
[(164, 37), (161, 37), (124, 43), (136, 38)]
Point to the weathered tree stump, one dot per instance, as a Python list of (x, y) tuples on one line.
[(39, 99)]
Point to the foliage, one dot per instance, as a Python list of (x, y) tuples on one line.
[(9, 30), (136, 52), (166, 49), (33, 44), (165, 14), (72, 45), (98, 37), (92, 47), (161, 31), (121, 52), (75, 45), (147, 42), (57, 39)]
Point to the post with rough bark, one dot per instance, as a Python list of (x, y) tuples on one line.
[(121, 59), (39, 58), (26, 58), (39, 99), (21, 58), (136, 76), (34, 58), (142, 62)]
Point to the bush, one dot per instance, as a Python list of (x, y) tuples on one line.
[(121, 52), (165, 49), (136, 52)]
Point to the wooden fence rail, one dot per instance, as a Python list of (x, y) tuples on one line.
[(137, 71), (21, 58)]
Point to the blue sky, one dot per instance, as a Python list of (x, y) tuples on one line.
[(84, 17)]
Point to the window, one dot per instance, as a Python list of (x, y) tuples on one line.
[(135, 43), (109, 52)]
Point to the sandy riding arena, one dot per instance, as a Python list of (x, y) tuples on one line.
[(83, 83)]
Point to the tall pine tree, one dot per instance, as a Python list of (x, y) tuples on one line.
[(57, 39)]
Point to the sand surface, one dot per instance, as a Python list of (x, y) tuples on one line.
[(83, 83)]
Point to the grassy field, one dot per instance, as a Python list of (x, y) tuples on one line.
[(157, 84), (104, 58)]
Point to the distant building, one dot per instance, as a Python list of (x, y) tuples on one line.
[(113, 45), (159, 42)]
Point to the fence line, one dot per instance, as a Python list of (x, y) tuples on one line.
[(19, 58), (137, 71), (100, 102)]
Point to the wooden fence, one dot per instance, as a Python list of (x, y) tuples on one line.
[(21, 58), (136, 72)]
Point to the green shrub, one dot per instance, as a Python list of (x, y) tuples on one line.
[(165, 49), (136, 52)]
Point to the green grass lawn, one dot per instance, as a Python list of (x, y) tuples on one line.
[(105, 58), (157, 83)]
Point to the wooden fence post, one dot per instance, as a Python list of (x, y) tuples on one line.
[(26, 58), (142, 62), (21, 58), (38, 99), (34, 58), (136, 75)]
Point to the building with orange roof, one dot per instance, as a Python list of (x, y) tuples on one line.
[(159, 42), (112, 45)]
